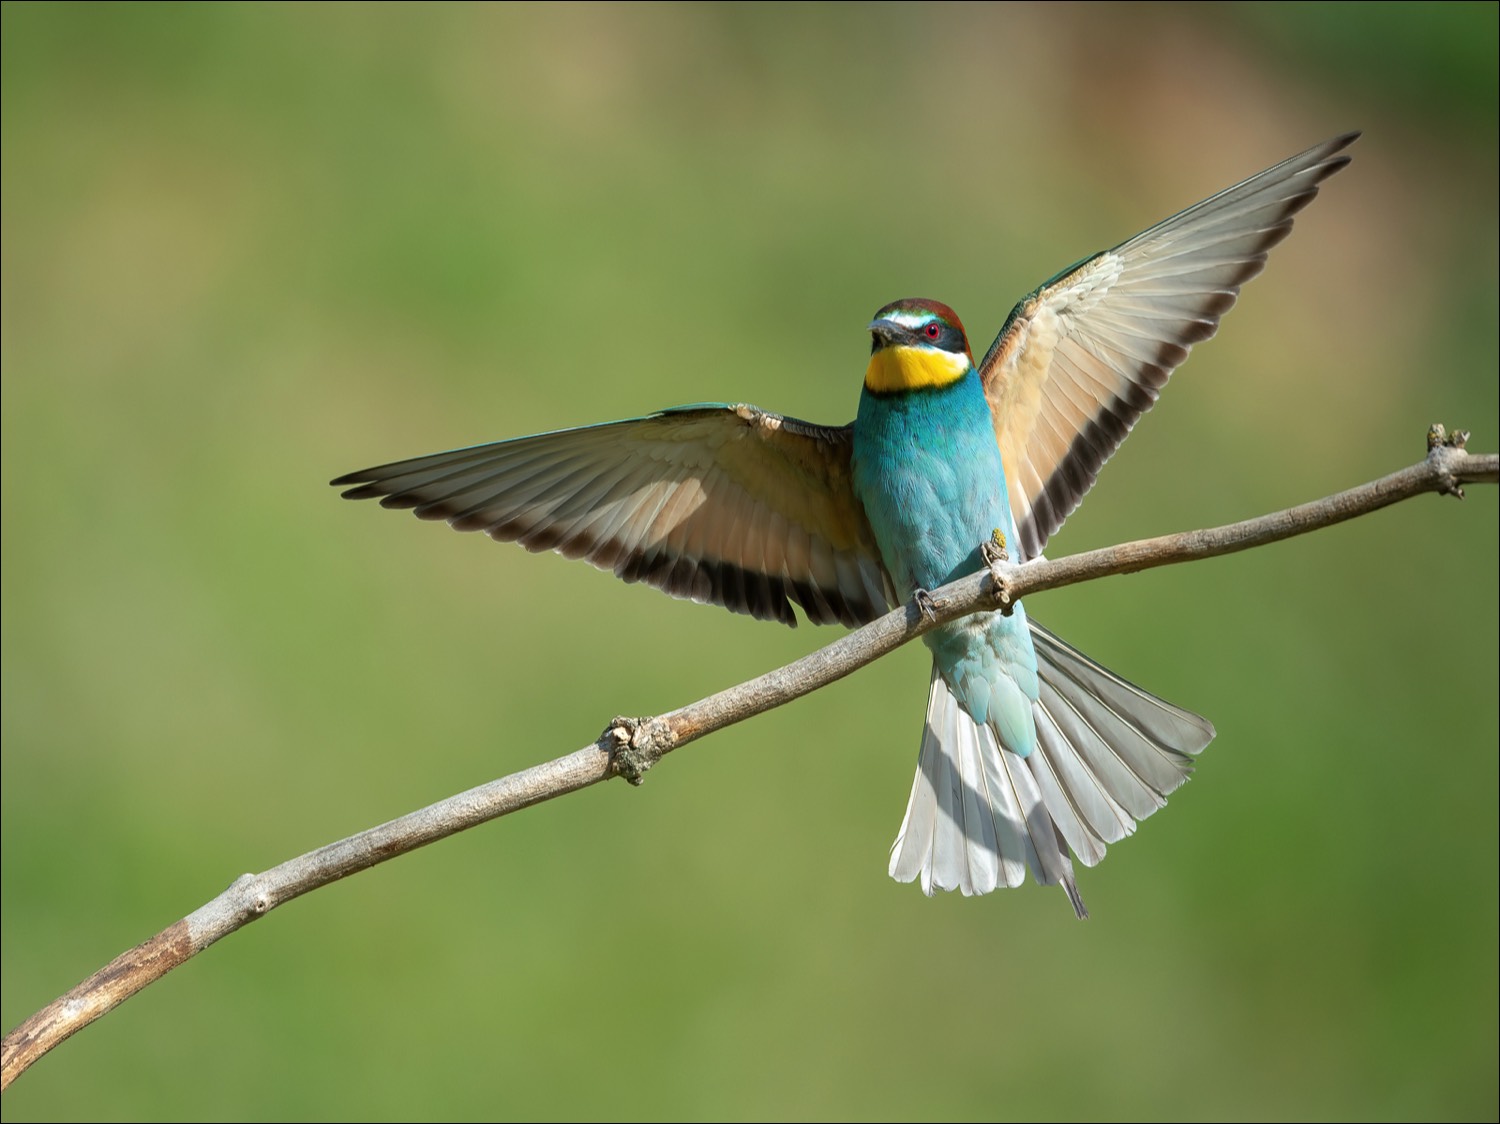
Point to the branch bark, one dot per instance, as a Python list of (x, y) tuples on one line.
[(630, 746)]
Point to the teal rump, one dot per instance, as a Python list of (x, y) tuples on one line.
[(1032, 755)]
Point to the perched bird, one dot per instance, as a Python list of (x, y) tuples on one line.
[(1032, 755)]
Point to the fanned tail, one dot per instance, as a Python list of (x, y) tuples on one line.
[(977, 819), (1107, 755)]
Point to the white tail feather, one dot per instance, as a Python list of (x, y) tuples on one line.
[(1107, 755)]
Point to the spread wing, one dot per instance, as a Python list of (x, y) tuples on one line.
[(1084, 356), (727, 505)]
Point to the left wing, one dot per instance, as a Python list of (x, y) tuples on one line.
[(727, 505), (1083, 357)]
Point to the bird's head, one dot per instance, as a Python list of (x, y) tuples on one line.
[(916, 344)]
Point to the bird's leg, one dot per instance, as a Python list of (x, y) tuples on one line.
[(993, 552)]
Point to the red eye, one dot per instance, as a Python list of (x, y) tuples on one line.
[(932, 331)]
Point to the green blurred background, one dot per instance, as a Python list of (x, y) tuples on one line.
[(248, 248)]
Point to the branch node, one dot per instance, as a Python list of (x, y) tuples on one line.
[(636, 744), (252, 897), (1443, 446), (1438, 436)]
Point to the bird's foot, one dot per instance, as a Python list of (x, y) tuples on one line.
[(993, 552), (926, 603)]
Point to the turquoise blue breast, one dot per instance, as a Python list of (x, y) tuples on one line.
[(928, 472), (927, 469)]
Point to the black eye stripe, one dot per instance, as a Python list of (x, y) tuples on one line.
[(942, 335)]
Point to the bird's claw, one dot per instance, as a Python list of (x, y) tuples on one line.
[(993, 552), (926, 604)]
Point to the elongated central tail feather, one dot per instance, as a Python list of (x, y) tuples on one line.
[(1107, 755)]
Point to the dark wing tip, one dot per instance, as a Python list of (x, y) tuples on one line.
[(365, 491)]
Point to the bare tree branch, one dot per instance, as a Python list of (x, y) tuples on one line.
[(630, 746)]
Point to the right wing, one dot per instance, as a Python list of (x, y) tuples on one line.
[(726, 505)]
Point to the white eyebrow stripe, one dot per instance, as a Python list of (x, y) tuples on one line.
[(910, 319)]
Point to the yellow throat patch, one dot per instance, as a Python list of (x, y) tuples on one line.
[(895, 369)]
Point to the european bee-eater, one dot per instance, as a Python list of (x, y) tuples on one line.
[(1032, 754)]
